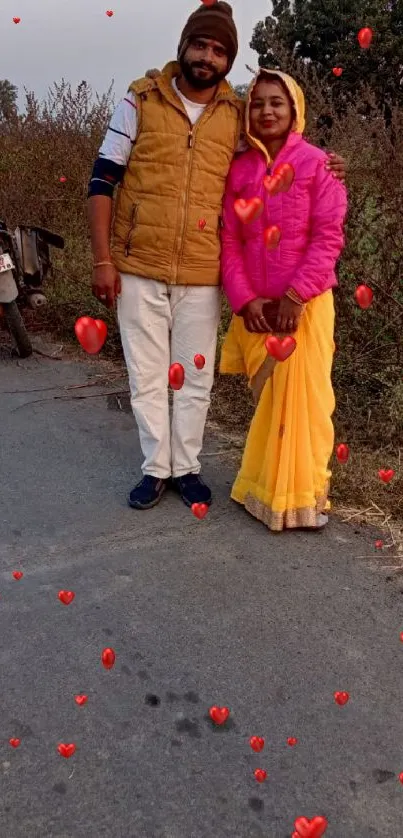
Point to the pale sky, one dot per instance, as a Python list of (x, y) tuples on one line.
[(75, 40)]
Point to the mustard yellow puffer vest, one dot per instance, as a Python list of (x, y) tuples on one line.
[(168, 207)]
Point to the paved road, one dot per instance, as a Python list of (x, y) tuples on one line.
[(199, 613)]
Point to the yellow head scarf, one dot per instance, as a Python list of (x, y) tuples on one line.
[(297, 97)]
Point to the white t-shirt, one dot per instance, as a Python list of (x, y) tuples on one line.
[(122, 128)]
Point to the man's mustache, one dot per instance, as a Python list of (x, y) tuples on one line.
[(198, 66)]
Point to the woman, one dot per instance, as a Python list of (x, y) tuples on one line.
[(284, 476)]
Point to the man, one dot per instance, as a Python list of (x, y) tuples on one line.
[(169, 146)]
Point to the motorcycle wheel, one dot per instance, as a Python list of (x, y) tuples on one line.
[(17, 329)]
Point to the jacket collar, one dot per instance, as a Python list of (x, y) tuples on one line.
[(293, 139), (172, 70)]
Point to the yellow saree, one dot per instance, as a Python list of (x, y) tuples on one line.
[(284, 476)]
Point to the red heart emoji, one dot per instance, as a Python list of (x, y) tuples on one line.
[(365, 36), (379, 544), (341, 698), (16, 19), (337, 71), (401, 636), (386, 474), (272, 236), (209, 2), (200, 510), (202, 223), (110, 13), (401, 777), (91, 334), (314, 828), (17, 574), (62, 179), (342, 452), (176, 376), (281, 180), (15, 742), (364, 296), (219, 715), (81, 699), (66, 750), (260, 775), (280, 349), (108, 658), (66, 597), (292, 741), (249, 210), (256, 743), (199, 361)]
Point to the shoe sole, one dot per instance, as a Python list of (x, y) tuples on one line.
[(137, 505)]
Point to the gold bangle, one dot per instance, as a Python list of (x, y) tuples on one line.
[(292, 295), (98, 264)]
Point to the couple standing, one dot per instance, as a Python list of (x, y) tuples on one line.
[(176, 236)]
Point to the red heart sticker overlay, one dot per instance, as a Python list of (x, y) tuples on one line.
[(342, 452), (364, 296), (91, 334), (248, 210), (280, 181), (260, 775), (337, 71), (341, 698), (199, 361), (17, 574), (176, 376), (272, 236), (109, 13), (66, 597), (108, 658), (200, 510), (386, 474), (280, 349), (202, 223), (81, 699), (66, 750), (314, 828), (365, 36), (379, 544), (256, 743), (16, 19), (219, 715), (15, 742), (292, 741)]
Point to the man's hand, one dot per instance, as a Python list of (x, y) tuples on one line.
[(289, 315), (337, 166), (253, 316), (106, 284)]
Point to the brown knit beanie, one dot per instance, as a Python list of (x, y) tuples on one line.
[(214, 22)]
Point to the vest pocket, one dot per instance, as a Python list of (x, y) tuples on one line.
[(133, 221)]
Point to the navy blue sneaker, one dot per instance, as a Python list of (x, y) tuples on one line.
[(147, 493), (192, 489)]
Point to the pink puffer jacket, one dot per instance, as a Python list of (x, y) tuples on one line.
[(310, 217)]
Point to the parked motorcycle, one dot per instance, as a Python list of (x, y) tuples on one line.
[(24, 265)]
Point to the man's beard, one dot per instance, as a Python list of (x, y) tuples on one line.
[(195, 81)]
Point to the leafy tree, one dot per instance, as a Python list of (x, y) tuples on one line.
[(8, 99), (323, 34)]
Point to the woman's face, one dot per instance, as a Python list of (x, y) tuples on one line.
[(270, 112)]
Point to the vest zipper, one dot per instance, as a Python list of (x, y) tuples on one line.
[(184, 203)]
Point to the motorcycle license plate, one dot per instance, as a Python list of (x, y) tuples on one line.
[(6, 263)]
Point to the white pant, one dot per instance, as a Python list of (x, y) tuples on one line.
[(159, 325)]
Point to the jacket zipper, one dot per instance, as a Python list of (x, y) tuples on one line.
[(132, 226), (185, 202)]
